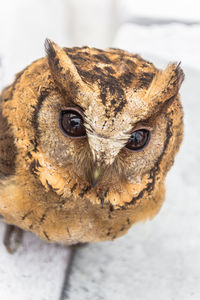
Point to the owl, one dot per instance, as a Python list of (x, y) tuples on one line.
[(87, 137)]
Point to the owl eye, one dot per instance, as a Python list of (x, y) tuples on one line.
[(138, 140), (71, 123)]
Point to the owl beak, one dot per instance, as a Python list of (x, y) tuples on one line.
[(96, 173)]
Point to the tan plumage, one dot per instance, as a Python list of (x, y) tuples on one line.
[(93, 189)]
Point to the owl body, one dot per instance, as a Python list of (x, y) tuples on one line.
[(70, 167)]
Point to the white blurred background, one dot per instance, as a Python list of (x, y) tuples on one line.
[(164, 29)]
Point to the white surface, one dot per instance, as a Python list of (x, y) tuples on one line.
[(170, 9), (172, 42), (34, 272)]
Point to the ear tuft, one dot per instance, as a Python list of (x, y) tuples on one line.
[(49, 48), (165, 84), (164, 87), (179, 75), (63, 69)]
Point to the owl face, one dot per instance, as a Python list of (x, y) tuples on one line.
[(96, 129), (107, 120), (72, 138)]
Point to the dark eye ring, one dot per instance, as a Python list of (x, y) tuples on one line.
[(139, 139), (71, 123)]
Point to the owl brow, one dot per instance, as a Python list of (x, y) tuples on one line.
[(163, 107), (70, 103)]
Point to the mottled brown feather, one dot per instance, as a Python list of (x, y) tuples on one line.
[(48, 188), (7, 147)]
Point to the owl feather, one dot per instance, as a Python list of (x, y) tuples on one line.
[(87, 137)]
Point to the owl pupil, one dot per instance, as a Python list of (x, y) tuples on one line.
[(71, 124), (138, 140), (75, 123), (137, 137)]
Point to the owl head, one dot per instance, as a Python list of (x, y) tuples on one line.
[(98, 128)]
